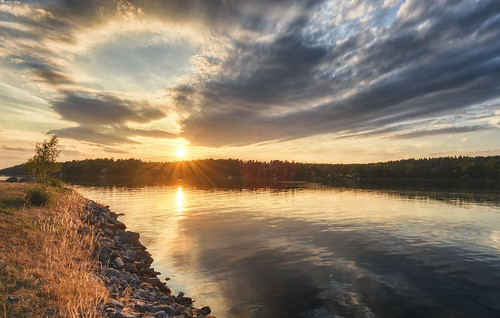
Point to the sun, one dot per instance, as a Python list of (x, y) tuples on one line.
[(180, 152)]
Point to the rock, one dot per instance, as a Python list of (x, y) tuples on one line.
[(130, 267), (130, 314), (145, 285), (130, 255), (129, 237), (141, 306), (181, 299), (12, 299), (112, 312), (26, 179), (205, 310), (166, 309), (119, 263), (160, 314), (145, 257), (115, 303), (105, 254), (135, 290), (12, 179), (163, 288), (114, 274)]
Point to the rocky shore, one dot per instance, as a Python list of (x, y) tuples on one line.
[(125, 266)]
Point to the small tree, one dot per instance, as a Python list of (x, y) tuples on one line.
[(44, 160)]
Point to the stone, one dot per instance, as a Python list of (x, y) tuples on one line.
[(129, 237), (105, 254), (130, 314), (11, 179), (118, 224), (163, 288), (112, 312), (161, 314), (141, 306), (12, 299), (181, 299), (205, 310), (130, 267), (145, 285), (130, 255), (26, 179), (119, 263), (115, 303), (166, 309)]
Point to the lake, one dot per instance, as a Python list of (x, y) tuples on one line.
[(320, 251)]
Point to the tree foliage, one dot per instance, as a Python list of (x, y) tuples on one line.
[(485, 168), (44, 161)]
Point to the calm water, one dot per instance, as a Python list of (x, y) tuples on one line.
[(320, 252)]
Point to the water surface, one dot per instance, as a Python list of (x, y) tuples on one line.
[(320, 252)]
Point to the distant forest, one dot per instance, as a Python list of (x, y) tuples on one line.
[(460, 168)]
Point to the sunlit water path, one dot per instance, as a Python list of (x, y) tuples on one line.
[(320, 252)]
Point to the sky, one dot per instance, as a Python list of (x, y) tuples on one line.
[(331, 81)]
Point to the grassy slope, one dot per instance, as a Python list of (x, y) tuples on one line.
[(44, 262)]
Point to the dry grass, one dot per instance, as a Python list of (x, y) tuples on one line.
[(44, 261)]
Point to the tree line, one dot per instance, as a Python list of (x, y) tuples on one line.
[(429, 168), (44, 163)]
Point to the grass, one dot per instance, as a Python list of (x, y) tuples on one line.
[(44, 262), (38, 195)]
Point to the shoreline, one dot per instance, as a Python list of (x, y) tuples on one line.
[(125, 267)]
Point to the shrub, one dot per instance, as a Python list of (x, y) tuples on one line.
[(53, 182), (38, 196)]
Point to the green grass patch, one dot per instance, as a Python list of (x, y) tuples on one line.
[(53, 182), (38, 196), (9, 204)]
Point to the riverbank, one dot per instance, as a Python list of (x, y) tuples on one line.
[(73, 258)]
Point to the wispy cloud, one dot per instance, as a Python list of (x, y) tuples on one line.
[(440, 131), (5, 147)]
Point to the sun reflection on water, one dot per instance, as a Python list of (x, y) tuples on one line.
[(180, 199)]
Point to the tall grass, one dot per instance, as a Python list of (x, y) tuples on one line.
[(47, 263)]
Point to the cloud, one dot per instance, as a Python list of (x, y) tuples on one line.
[(15, 148), (109, 135), (51, 77), (93, 135), (106, 119), (296, 86), (263, 70), (440, 131), (105, 110)]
